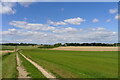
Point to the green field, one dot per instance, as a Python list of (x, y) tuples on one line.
[(9, 66), (63, 64), (76, 64)]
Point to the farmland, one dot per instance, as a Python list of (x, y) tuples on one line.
[(20, 47), (76, 64), (63, 63), (87, 48)]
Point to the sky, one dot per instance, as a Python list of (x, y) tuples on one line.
[(60, 0), (59, 22)]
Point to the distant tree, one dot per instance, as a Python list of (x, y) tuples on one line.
[(57, 44)]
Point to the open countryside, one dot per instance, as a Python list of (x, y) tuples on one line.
[(59, 40), (63, 63)]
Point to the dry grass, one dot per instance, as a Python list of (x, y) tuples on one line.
[(3, 52), (87, 48)]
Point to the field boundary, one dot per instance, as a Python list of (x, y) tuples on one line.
[(42, 70)]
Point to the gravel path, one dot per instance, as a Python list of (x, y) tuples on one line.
[(44, 72), (22, 72)]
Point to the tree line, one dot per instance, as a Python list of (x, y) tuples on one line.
[(60, 44), (87, 44), (18, 44)]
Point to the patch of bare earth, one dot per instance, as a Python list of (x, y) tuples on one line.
[(5, 51), (21, 70), (87, 48)]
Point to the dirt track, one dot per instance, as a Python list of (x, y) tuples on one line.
[(6, 51), (44, 72), (22, 72), (87, 48)]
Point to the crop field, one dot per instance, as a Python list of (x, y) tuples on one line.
[(87, 48), (59, 40), (76, 64), (62, 63)]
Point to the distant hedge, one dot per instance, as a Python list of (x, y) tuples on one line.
[(18, 44), (91, 44), (47, 46)]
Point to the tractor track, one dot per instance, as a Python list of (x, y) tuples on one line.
[(42, 70)]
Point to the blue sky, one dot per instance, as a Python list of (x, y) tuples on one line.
[(60, 22)]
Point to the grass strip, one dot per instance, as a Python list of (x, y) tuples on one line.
[(9, 66)]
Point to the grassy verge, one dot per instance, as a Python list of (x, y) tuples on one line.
[(31, 69), (77, 64), (9, 66), (0, 71)]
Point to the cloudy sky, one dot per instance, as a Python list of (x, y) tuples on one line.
[(62, 22)]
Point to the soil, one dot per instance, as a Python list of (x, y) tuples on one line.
[(21, 70)]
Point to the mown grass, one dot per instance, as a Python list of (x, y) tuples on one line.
[(31, 69), (9, 66), (77, 64)]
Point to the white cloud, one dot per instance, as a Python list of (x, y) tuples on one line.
[(117, 16), (31, 26), (41, 33), (108, 20), (95, 20), (7, 8), (112, 11), (68, 34), (65, 30), (56, 23), (75, 21)]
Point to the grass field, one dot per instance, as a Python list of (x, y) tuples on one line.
[(9, 66), (33, 72), (20, 47), (76, 64), (63, 64)]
